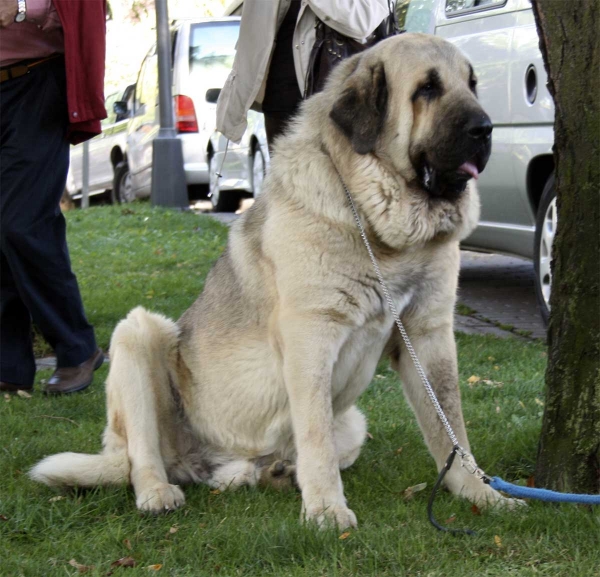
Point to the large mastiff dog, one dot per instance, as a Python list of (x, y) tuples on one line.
[(258, 380)]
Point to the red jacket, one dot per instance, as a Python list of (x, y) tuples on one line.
[(84, 27)]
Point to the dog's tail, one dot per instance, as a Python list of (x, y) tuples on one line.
[(142, 349), (81, 470)]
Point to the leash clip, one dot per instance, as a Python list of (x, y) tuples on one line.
[(467, 461)]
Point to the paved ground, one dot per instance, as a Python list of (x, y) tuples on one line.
[(500, 289)]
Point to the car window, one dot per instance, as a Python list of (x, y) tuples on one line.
[(456, 7), (146, 93), (212, 49), (416, 15)]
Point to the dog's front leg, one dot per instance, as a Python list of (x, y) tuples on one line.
[(310, 349), (436, 349)]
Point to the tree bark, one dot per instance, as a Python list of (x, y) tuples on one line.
[(569, 449)]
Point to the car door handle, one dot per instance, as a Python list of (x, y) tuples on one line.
[(531, 83)]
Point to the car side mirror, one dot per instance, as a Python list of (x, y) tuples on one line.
[(212, 95), (120, 108)]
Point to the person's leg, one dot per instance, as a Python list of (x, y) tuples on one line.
[(17, 363), (34, 163)]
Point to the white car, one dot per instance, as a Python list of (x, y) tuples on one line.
[(237, 170), (203, 51), (106, 152), (518, 201)]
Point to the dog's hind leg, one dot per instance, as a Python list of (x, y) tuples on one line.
[(143, 352), (350, 431)]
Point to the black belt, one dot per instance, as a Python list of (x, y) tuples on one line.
[(23, 67)]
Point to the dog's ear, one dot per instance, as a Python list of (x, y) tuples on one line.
[(360, 110)]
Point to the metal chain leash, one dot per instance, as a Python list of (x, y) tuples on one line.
[(400, 325), (467, 460)]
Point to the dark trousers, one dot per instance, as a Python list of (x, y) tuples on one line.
[(36, 280), (275, 124)]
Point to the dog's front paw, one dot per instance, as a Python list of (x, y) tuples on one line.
[(492, 498), (485, 497), (334, 515), (160, 498)]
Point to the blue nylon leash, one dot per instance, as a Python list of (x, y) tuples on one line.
[(542, 494)]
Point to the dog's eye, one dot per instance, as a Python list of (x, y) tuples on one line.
[(473, 85), (431, 88), (428, 91)]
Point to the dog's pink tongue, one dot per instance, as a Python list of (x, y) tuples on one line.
[(470, 168)]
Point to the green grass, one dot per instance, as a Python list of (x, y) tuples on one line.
[(121, 259)]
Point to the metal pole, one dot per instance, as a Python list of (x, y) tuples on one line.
[(168, 176), (85, 177)]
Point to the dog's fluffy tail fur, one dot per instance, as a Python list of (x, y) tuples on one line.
[(81, 470), (141, 346)]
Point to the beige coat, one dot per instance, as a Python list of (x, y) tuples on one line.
[(261, 19)]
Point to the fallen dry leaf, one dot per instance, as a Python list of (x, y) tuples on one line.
[(369, 435), (496, 367), (491, 359), (57, 498), (498, 541), (173, 529), (473, 379), (127, 543), (4, 517), (450, 519), (124, 562), (23, 394), (497, 409), (215, 492), (538, 402), (156, 567), (399, 450), (81, 568), (7, 397), (410, 492), (531, 481), (345, 535), (475, 510)]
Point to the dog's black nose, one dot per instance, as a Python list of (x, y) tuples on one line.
[(480, 127)]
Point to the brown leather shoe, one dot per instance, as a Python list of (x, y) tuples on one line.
[(71, 379), (13, 388)]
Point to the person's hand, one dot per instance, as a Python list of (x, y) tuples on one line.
[(8, 11)]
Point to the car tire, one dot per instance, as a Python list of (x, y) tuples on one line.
[(227, 201), (122, 190), (545, 231), (257, 170)]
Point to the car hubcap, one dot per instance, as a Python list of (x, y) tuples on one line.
[(126, 188), (258, 172), (546, 240)]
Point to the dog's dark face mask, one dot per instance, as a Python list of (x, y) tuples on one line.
[(452, 135), (449, 140)]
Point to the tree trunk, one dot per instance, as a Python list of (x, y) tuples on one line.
[(569, 449)]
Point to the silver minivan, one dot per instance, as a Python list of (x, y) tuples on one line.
[(518, 206), (203, 52)]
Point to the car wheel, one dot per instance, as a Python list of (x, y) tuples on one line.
[(258, 170), (545, 231), (226, 201), (122, 190)]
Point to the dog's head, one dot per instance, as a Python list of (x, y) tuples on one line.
[(412, 101)]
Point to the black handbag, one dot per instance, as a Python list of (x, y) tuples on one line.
[(331, 48)]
